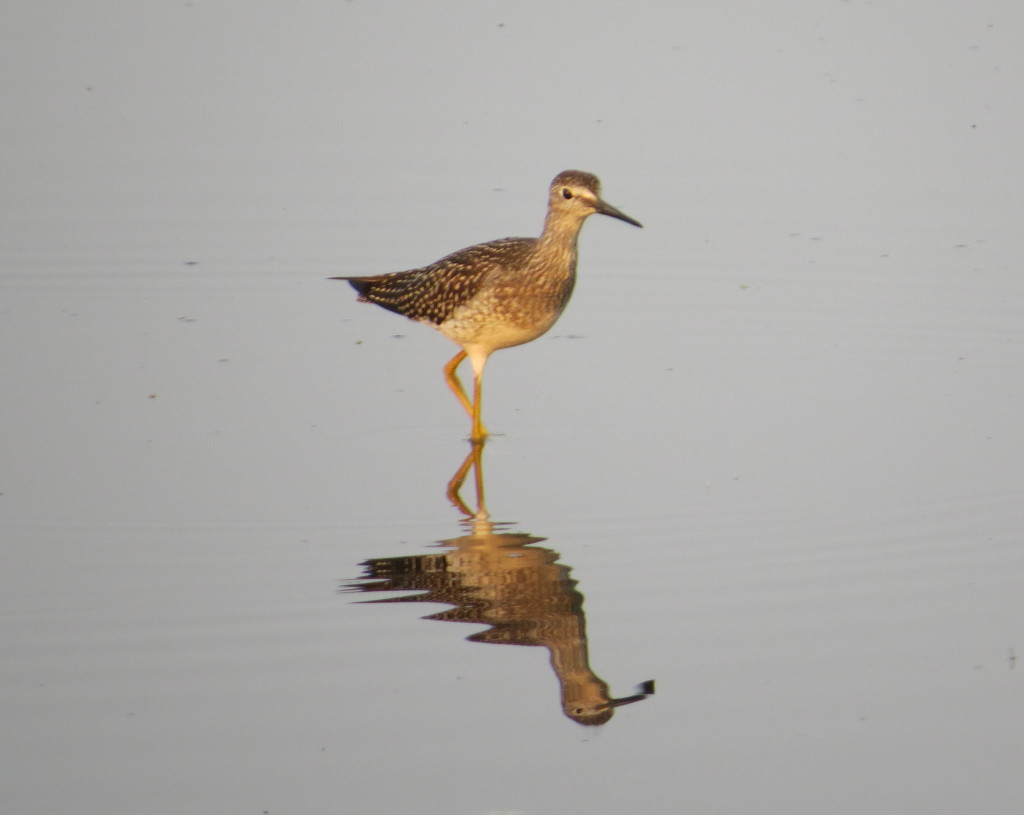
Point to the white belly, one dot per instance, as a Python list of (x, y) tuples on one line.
[(491, 334)]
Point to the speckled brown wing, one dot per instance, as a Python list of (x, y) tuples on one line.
[(432, 294)]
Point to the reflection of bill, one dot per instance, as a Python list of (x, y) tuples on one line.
[(502, 580)]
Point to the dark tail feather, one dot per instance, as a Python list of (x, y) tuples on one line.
[(360, 284)]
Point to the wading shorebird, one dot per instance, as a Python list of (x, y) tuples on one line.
[(497, 294)]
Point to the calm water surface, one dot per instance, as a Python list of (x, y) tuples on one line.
[(770, 458)]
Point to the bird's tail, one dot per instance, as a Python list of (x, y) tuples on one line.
[(360, 284)]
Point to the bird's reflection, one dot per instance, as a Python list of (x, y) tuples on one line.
[(498, 578)]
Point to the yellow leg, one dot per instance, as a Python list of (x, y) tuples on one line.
[(472, 408), (452, 378), (479, 431)]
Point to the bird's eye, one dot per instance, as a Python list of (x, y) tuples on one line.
[(566, 193)]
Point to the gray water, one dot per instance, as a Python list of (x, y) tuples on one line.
[(770, 457)]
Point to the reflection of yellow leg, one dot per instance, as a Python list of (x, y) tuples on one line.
[(472, 408), (474, 460), (456, 481), (478, 469)]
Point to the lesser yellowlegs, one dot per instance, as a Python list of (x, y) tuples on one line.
[(497, 294)]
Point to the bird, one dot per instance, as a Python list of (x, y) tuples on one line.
[(497, 294)]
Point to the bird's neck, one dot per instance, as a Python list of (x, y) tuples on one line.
[(559, 235)]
